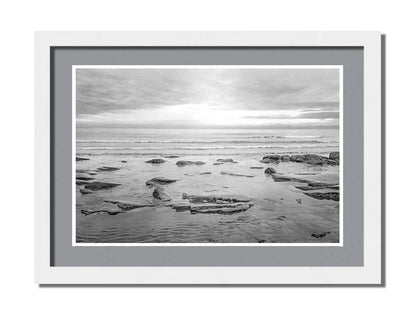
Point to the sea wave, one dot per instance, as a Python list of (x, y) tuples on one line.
[(286, 136), (194, 142), (252, 152), (98, 148)]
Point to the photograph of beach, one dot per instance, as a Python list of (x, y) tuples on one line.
[(207, 155)]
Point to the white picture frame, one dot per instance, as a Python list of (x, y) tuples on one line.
[(368, 274)]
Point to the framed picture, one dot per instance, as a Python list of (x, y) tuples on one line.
[(212, 158)]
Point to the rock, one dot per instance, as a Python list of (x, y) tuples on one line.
[(160, 181), (85, 192), (86, 171), (183, 163), (328, 196), (332, 162), (312, 185), (285, 158), (333, 186), (297, 158), (256, 167), (318, 186), (236, 174), (281, 218), (216, 204), (122, 207), (111, 212), (160, 194), (307, 188), (181, 207), (313, 159), (220, 209), (205, 173), (107, 168), (271, 159), (321, 185), (81, 159), (217, 164), (334, 156), (280, 178), (269, 171), (83, 177), (229, 160), (299, 200), (155, 161), (123, 161), (126, 206), (321, 235), (196, 199), (79, 182), (97, 186), (298, 180)]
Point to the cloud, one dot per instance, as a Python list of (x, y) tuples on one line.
[(105, 90), (300, 115), (101, 90)]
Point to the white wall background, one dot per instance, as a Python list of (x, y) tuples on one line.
[(19, 19)]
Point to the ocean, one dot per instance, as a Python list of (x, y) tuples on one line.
[(186, 142)]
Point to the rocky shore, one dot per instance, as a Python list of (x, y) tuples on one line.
[(91, 182), (312, 159)]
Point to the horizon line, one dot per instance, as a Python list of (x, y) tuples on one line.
[(208, 128)]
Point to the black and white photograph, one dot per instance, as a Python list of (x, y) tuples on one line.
[(207, 155)]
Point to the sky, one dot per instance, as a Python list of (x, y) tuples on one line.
[(163, 98)]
